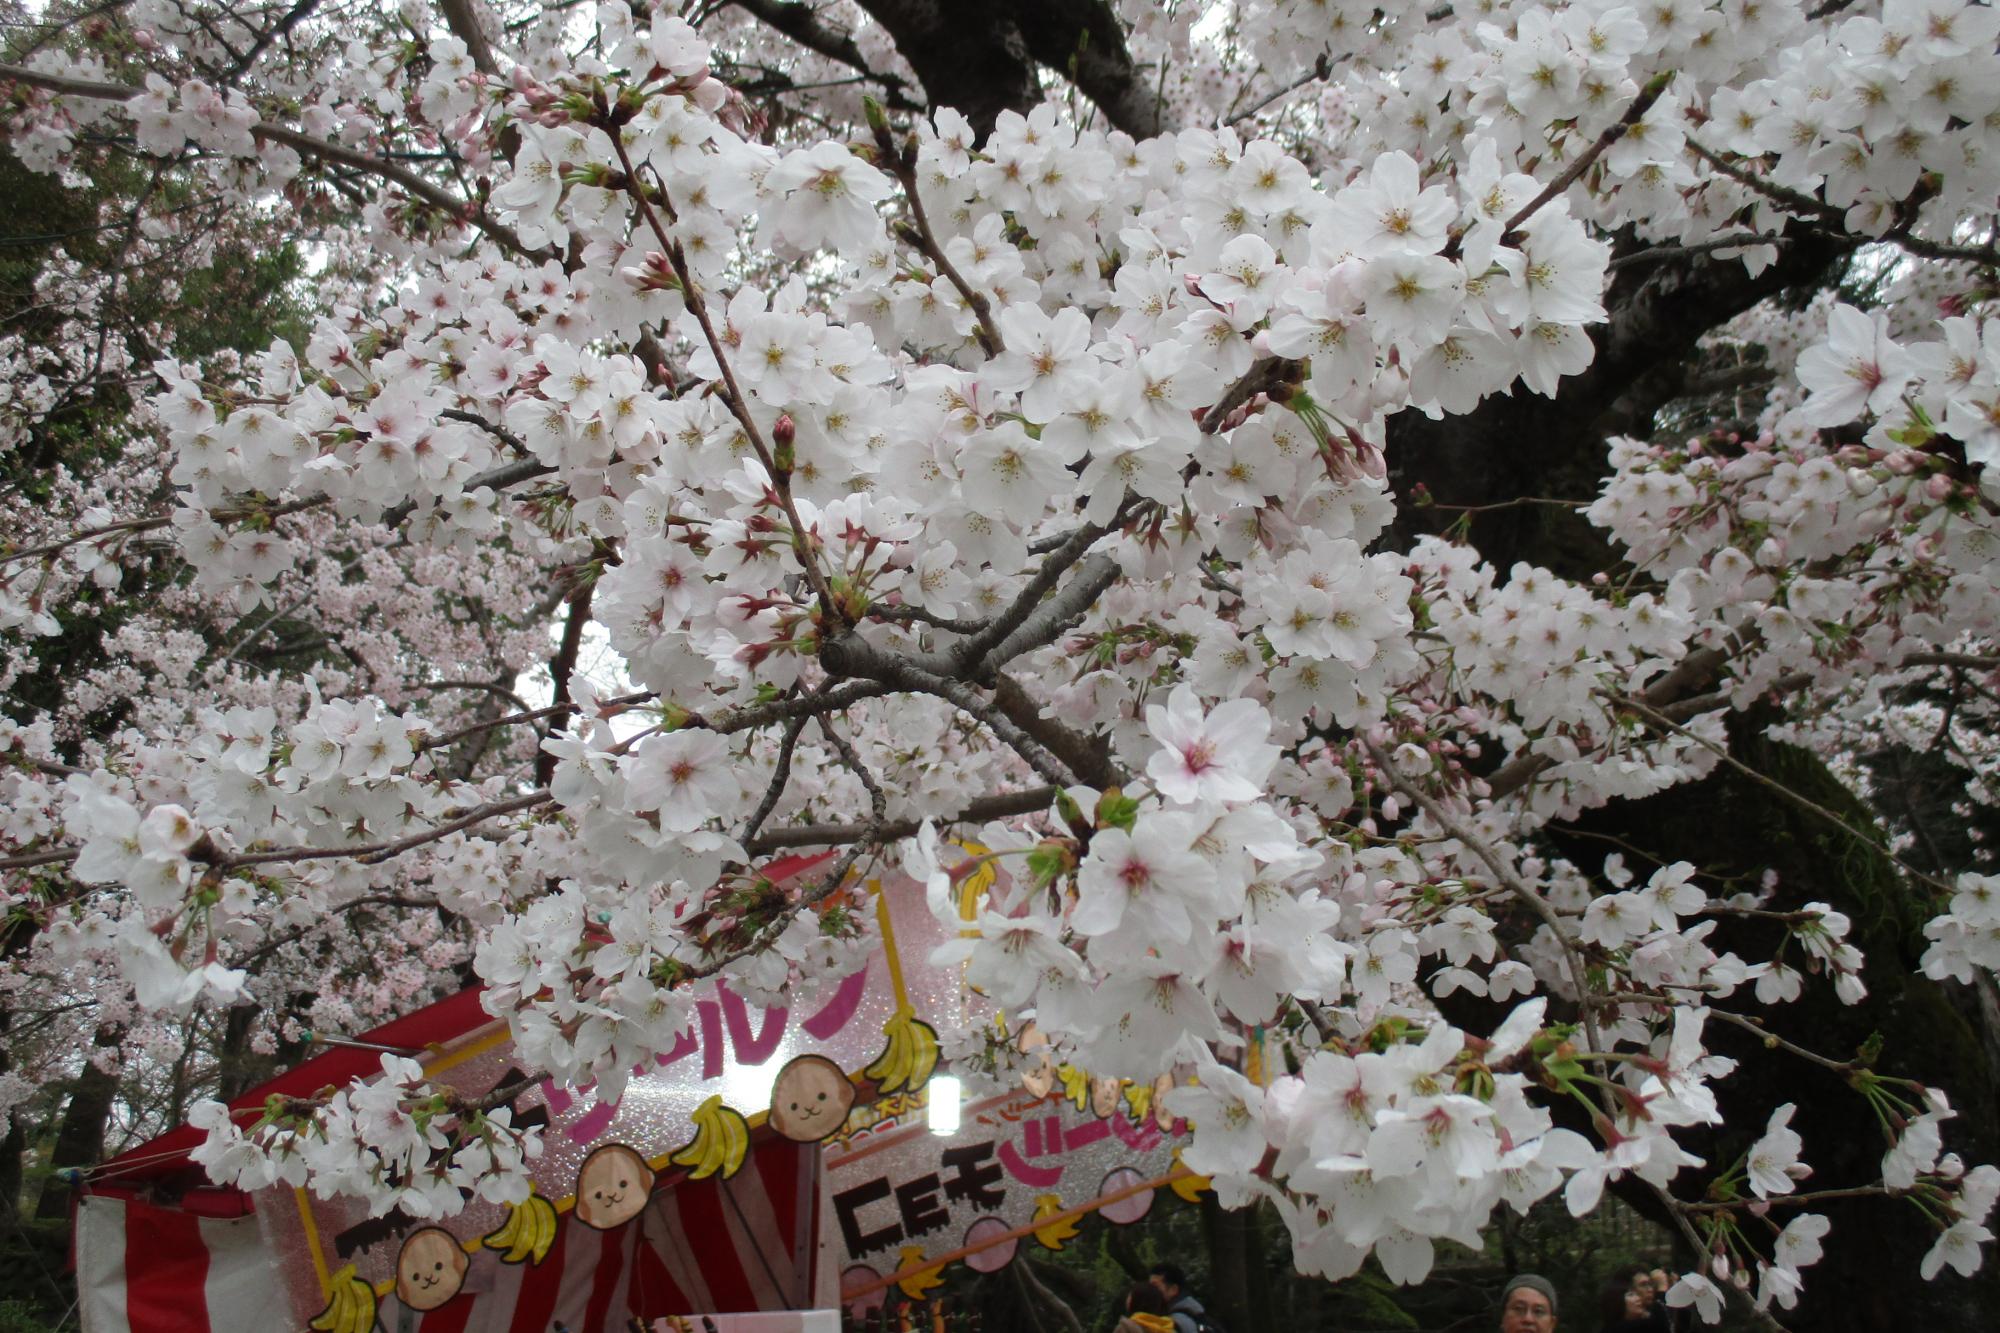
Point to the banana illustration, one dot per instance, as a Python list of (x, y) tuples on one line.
[(1075, 1085), (908, 1057), (1055, 1235), (920, 1282), (1190, 1188), (529, 1231), (1139, 1096), (974, 886), (721, 1140), (350, 1308)]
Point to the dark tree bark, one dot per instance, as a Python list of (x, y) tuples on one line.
[(1522, 444), (1730, 825), (981, 57), (1525, 445), (238, 1068), (1232, 1267), (80, 1139), (11, 1148)]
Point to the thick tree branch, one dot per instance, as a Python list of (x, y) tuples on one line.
[(801, 23), (1005, 805), (1084, 41), (1087, 756), (464, 19), (981, 58)]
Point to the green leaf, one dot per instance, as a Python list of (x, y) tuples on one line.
[(1117, 810), (1045, 863)]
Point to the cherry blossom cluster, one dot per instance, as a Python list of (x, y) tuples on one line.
[(1038, 485)]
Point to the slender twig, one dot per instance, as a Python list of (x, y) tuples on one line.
[(374, 853), (1804, 802), (1775, 1042), (413, 184), (758, 715), (529, 715), (903, 161), (1836, 218), (1322, 68), (560, 669), (1612, 134), (739, 405), (878, 804), (780, 775), (1520, 888)]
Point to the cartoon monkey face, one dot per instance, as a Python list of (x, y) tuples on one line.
[(1104, 1096), (1039, 1078), (811, 1099), (611, 1187), (430, 1268)]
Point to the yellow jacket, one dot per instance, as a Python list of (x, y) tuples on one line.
[(1145, 1323)]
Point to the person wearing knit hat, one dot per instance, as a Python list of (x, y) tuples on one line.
[(1528, 1305)]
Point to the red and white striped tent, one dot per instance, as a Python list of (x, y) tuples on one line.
[(158, 1248)]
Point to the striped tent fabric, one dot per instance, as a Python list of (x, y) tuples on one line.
[(767, 1215), (582, 1284), (145, 1269), (756, 1234)]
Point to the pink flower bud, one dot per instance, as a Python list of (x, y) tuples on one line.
[(1939, 487)]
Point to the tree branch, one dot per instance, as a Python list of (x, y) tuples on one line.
[(800, 23), (1520, 888), (411, 183), (1005, 805), (463, 18)]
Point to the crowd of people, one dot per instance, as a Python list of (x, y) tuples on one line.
[(1630, 1300)]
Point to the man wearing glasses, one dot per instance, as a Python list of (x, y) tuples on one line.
[(1528, 1305)]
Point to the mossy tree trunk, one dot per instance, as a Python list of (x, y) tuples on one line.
[(1730, 825)]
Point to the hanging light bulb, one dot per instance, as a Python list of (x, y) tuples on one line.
[(943, 1113)]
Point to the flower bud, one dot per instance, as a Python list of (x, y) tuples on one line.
[(784, 456)]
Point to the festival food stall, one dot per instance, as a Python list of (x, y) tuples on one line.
[(775, 1159)]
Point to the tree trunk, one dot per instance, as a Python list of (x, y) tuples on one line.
[(980, 57), (1230, 1264), (80, 1140), (238, 1068), (1729, 825), (11, 1148)]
